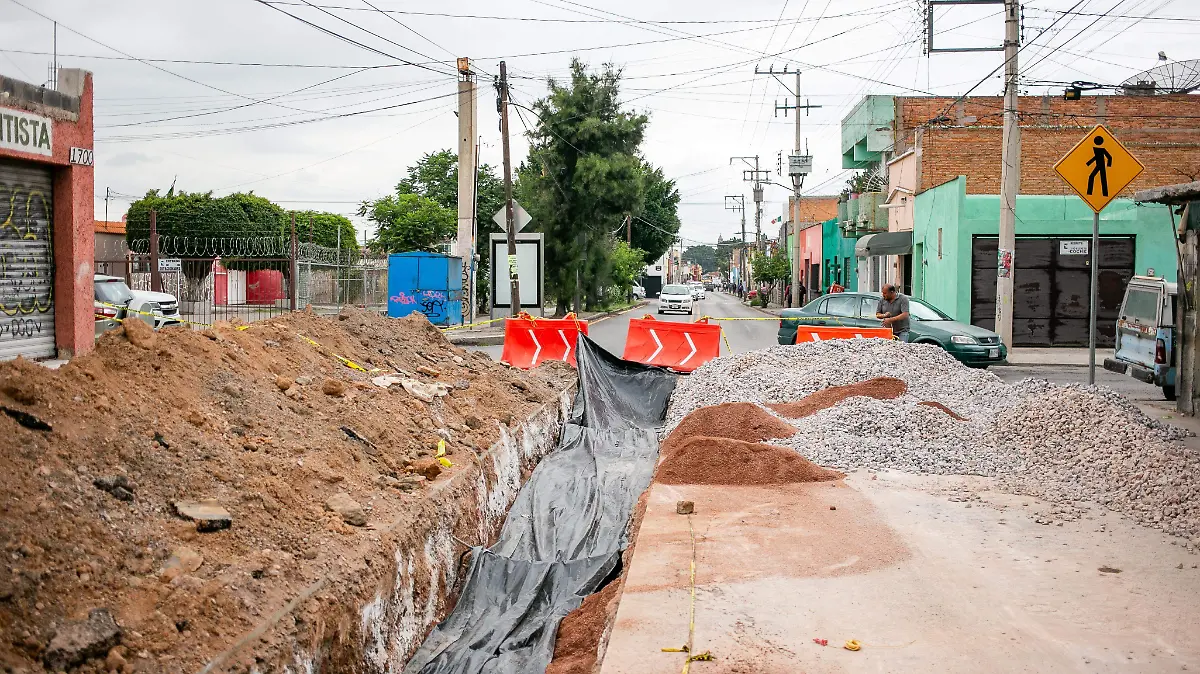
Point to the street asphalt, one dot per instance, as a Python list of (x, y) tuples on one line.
[(748, 335)]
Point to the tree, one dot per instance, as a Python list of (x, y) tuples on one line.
[(409, 222), (435, 177), (582, 177), (627, 266), (654, 231), (705, 256)]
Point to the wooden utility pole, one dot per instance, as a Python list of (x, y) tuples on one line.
[(1010, 176), (514, 291)]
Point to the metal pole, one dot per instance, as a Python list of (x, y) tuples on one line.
[(292, 269), (514, 290), (1094, 300), (1010, 176), (155, 276)]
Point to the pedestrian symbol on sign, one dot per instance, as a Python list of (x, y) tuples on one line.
[(1098, 168), (1102, 160)]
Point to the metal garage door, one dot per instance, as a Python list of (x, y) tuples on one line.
[(26, 261), (1051, 287)]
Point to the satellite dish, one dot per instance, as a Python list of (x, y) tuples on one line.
[(1180, 77)]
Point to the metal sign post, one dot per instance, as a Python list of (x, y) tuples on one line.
[(1097, 168)]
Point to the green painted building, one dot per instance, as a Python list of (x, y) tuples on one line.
[(840, 265), (955, 251)]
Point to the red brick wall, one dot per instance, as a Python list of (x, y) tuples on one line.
[(1163, 132), (73, 229)]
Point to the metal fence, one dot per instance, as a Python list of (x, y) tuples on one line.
[(257, 284)]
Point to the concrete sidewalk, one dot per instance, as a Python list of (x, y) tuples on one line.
[(492, 334), (924, 582)]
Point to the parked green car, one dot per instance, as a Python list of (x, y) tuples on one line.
[(971, 345)]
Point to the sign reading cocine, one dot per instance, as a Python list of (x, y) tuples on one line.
[(24, 132)]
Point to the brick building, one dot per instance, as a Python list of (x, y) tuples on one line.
[(47, 230), (940, 159)]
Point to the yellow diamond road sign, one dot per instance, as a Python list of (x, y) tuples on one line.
[(1098, 168)]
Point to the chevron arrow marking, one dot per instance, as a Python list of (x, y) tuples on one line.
[(533, 361), (656, 351), (691, 344)]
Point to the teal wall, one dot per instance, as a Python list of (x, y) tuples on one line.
[(834, 246), (946, 282)]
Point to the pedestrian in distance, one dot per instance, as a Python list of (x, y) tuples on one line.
[(893, 311)]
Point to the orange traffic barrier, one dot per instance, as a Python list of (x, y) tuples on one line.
[(679, 346), (529, 340), (817, 333)]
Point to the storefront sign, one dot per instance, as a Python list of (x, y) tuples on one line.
[(81, 156), (1074, 247), (24, 132)]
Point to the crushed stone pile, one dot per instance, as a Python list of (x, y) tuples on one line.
[(166, 493), (1062, 443)]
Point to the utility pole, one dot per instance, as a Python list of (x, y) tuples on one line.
[(465, 244), (1010, 169), (799, 166), (514, 296), (1010, 176), (738, 203)]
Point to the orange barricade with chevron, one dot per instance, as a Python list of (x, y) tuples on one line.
[(529, 340), (818, 333), (680, 346)]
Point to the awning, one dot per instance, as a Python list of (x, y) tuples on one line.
[(860, 246), (886, 243)]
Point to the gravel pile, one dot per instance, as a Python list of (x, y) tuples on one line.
[(1065, 444)]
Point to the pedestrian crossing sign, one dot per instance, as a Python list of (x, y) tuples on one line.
[(1098, 168)]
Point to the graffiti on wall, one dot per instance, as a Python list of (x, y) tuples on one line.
[(26, 263)]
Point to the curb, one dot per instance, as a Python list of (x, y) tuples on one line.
[(497, 339)]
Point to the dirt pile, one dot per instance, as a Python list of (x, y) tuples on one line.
[(192, 483), (739, 421), (709, 460), (880, 388)]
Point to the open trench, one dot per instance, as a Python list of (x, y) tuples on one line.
[(448, 602)]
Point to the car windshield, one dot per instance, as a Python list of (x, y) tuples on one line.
[(677, 290), (924, 312), (113, 292)]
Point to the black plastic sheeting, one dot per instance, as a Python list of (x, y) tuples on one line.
[(565, 533)]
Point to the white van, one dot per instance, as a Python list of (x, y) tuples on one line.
[(1146, 333)]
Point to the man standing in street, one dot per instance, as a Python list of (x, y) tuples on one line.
[(893, 311)]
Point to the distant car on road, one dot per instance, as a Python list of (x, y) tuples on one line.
[(971, 345), (675, 297)]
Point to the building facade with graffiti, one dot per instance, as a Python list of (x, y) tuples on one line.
[(46, 217)]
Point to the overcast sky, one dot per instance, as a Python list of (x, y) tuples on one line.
[(203, 124)]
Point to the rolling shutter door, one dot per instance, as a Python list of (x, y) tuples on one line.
[(26, 261)]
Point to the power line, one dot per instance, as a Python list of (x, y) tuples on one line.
[(351, 40)]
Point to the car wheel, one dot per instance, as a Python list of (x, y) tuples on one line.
[(1169, 392)]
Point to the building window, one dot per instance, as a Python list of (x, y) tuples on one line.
[(939, 243)]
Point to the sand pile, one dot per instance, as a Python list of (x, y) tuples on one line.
[(740, 421), (283, 448), (708, 460), (880, 388)]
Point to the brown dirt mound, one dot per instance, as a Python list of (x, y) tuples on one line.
[(947, 410), (88, 519), (882, 388), (579, 634), (707, 460), (739, 421)]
